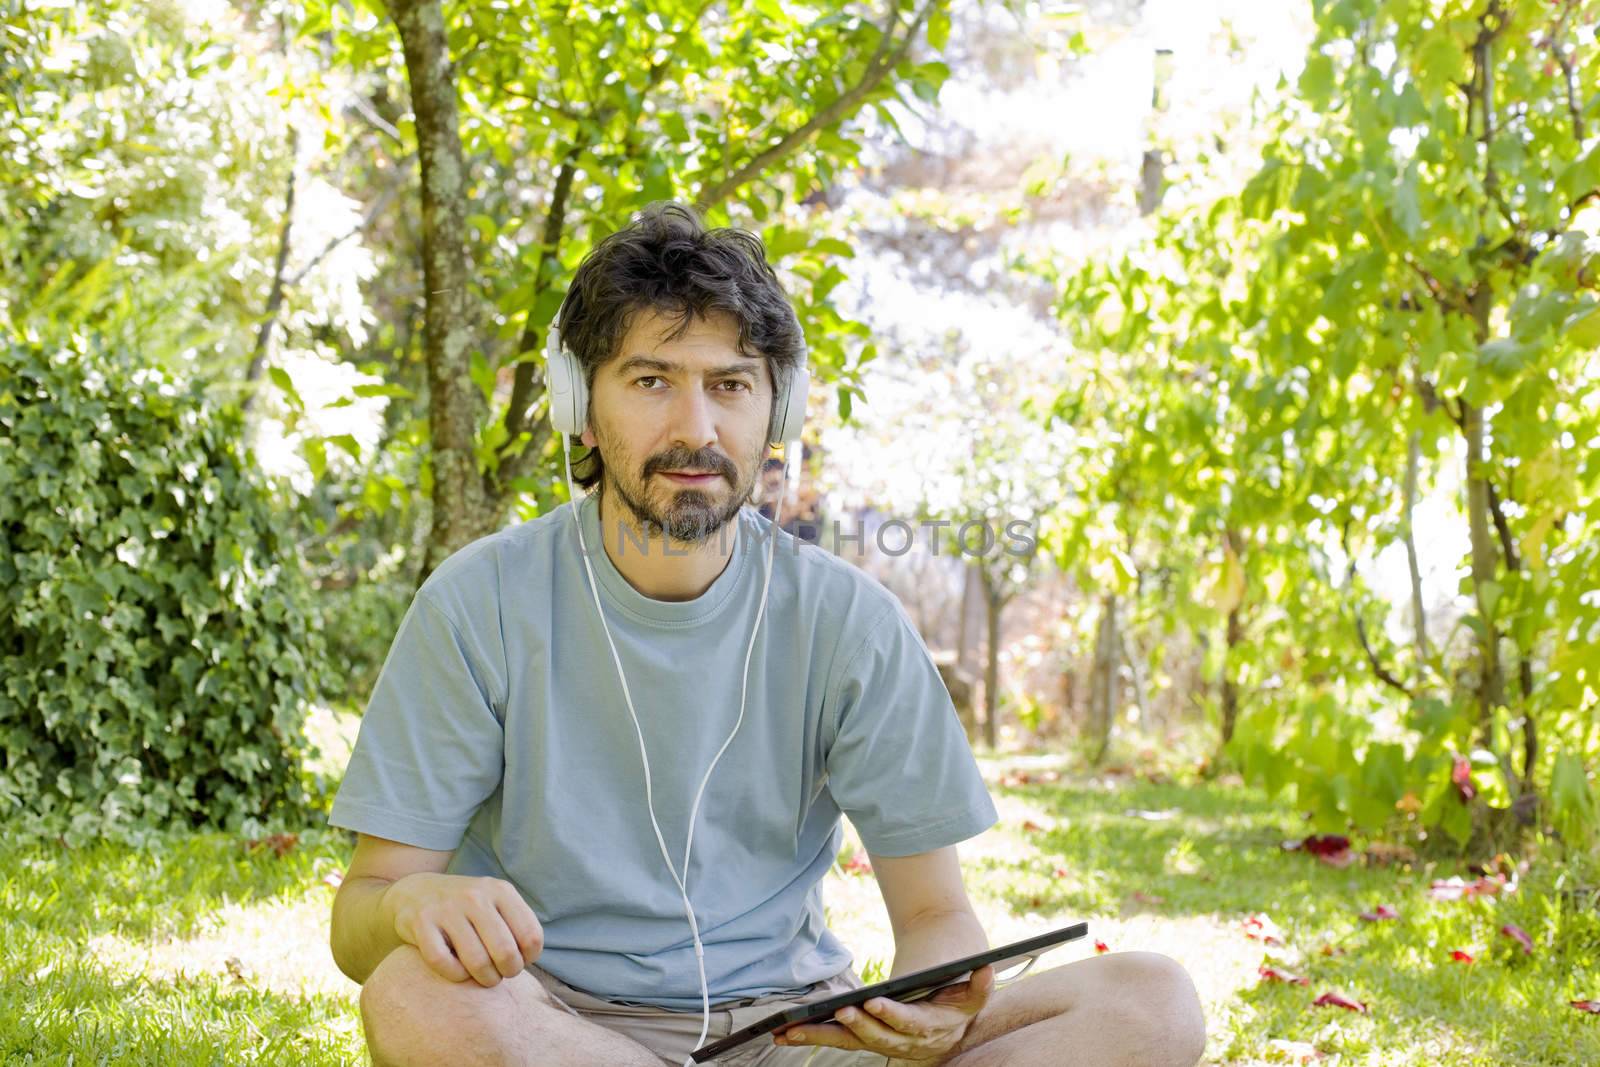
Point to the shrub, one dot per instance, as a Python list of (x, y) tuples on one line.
[(157, 642)]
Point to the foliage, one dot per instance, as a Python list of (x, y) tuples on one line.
[(569, 120), (129, 139), (156, 640), (1415, 259)]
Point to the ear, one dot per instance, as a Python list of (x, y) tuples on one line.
[(588, 437)]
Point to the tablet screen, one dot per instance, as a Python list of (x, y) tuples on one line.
[(1010, 963)]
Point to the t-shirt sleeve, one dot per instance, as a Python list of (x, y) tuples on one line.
[(431, 749), (899, 764)]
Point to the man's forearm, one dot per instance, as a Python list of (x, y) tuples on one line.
[(937, 938), (363, 931)]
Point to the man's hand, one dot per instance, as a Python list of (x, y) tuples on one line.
[(921, 1030), (465, 927)]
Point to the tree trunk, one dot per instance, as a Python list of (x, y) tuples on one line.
[(1141, 699), (995, 604), (1103, 691), (970, 591), (1491, 684), (1419, 615), (463, 509), (1230, 689)]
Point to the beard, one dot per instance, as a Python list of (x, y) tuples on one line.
[(687, 516)]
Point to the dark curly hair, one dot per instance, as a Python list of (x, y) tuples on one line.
[(666, 261)]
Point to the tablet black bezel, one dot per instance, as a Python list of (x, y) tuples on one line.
[(925, 982)]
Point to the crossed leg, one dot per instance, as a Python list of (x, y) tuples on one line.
[(1126, 1009), (414, 1016)]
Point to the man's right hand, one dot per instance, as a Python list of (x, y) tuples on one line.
[(464, 926)]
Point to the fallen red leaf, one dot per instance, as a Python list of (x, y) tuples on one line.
[(1263, 929), (1061, 872), (1512, 930), (1332, 849), (1032, 827), (1276, 974), (1100, 946), (1491, 885), (1461, 957), (1339, 1000), (1382, 912), (1326, 844), (1456, 888), (1334, 950), (1587, 1005)]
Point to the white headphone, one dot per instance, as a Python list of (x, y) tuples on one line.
[(569, 390), (569, 408)]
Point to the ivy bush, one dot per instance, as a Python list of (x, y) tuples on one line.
[(158, 643)]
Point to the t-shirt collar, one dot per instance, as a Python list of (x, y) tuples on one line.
[(616, 591)]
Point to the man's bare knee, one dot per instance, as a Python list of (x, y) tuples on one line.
[(413, 1015), (409, 1011)]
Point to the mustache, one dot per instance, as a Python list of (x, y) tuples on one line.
[(703, 466)]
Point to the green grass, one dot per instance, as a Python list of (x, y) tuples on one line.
[(120, 957)]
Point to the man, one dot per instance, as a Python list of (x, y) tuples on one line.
[(508, 901)]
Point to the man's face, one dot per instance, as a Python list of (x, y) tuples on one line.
[(693, 404)]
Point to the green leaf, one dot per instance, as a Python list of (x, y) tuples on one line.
[(1583, 327), (1407, 211), (482, 376), (939, 30), (1316, 80), (281, 379), (385, 389), (348, 443), (316, 453), (834, 246), (1580, 176), (1505, 357), (484, 225)]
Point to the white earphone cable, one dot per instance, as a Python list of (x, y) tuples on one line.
[(790, 452)]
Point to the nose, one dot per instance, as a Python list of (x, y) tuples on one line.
[(694, 424)]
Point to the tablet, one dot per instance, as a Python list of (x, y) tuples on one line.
[(1018, 957)]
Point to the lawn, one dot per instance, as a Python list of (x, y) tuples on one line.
[(211, 952)]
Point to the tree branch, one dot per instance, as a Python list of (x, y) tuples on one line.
[(1483, 92), (882, 62), (379, 206), (258, 357), (1378, 668), (1564, 61)]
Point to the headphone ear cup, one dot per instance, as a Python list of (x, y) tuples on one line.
[(569, 393), (790, 414)]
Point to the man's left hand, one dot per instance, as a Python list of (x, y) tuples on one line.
[(921, 1030)]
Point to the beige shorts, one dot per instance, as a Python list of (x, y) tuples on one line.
[(672, 1035)]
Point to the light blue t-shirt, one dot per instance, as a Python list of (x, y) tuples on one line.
[(498, 729)]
